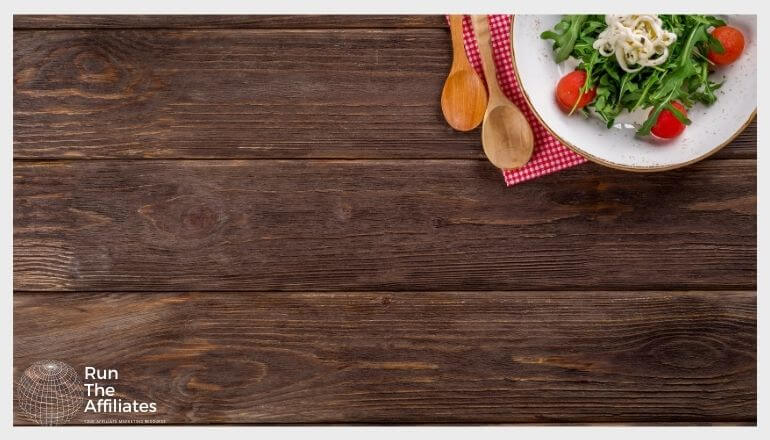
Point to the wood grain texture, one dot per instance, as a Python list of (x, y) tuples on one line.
[(227, 21), (379, 225), (409, 357), (356, 93)]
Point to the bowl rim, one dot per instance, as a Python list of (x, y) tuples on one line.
[(605, 162)]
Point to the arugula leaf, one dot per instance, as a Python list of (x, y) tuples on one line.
[(673, 81), (715, 44), (564, 43)]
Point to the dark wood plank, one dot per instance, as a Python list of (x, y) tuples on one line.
[(277, 93), (422, 357), (379, 225), (240, 94), (227, 21)]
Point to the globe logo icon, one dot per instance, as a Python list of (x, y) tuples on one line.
[(50, 392)]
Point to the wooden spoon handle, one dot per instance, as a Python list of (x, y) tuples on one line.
[(458, 46), (481, 27)]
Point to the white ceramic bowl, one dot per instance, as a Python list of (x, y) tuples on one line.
[(712, 127)]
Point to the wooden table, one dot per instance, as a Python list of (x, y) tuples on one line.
[(266, 220)]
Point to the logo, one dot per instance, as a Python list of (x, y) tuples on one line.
[(50, 392)]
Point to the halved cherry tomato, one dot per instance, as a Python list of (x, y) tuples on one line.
[(732, 41), (668, 126), (568, 91)]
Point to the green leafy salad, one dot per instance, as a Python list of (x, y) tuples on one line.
[(631, 62)]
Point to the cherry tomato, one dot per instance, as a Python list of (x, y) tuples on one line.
[(568, 91), (732, 41), (668, 126)]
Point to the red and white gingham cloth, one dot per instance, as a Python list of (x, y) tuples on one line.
[(550, 155)]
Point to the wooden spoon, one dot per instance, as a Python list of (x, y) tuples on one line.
[(464, 97), (506, 136)]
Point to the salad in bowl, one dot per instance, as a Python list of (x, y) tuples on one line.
[(661, 89), (630, 62)]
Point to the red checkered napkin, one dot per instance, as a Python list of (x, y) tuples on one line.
[(550, 155)]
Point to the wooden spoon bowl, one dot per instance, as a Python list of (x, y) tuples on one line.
[(506, 135)]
